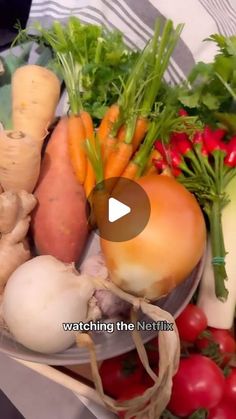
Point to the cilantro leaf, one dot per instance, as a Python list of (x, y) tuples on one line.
[(210, 101), (190, 100)]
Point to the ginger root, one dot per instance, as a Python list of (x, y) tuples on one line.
[(15, 208)]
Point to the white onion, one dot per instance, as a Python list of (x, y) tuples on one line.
[(40, 295)]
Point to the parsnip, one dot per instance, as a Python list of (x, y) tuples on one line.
[(20, 158), (221, 314), (35, 95)]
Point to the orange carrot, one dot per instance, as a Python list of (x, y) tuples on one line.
[(99, 206), (130, 171), (139, 133), (151, 170), (90, 180), (141, 128), (88, 124), (121, 133), (107, 122), (107, 140), (149, 166), (108, 147), (76, 144), (118, 160)]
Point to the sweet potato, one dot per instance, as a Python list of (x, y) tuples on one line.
[(59, 224)]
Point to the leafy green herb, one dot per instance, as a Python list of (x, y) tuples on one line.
[(210, 90), (94, 63)]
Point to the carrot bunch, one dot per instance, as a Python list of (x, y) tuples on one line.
[(127, 123), (123, 143)]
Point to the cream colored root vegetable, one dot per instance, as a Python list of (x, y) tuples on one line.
[(35, 95), (51, 293), (14, 224), (20, 158)]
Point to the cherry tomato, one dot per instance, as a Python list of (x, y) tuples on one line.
[(223, 410), (130, 393), (230, 388), (191, 322), (120, 372), (153, 352), (199, 383), (220, 341)]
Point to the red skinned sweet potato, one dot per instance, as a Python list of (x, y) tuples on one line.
[(59, 223)]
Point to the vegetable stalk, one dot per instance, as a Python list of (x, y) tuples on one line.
[(218, 249)]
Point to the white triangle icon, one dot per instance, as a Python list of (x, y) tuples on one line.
[(117, 210)]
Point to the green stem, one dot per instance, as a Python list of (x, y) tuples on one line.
[(203, 167), (130, 128), (228, 176), (185, 169), (166, 46), (194, 162), (142, 155), (98, 51), (218, 249), (95, 157)]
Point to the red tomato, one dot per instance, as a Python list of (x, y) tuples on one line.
[(220, 337), (120, 372), (199, 383), (223, 410), (152, 352), (191, 322), (130, 393), (230, 388)]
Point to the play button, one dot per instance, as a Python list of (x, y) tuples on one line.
[(120, 208), (116, 210)]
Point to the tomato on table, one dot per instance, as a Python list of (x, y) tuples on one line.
[(120, 373), (223, 410), (230, 388), (191, 323), (219, 340), (199, 383)]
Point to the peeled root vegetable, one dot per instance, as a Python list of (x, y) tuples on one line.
[(14, 224), (50, 293), (59, 223), (166, 251), (20, 158), (35, 95)]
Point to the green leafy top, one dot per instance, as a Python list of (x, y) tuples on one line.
[(210, 89), (94, 63)]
